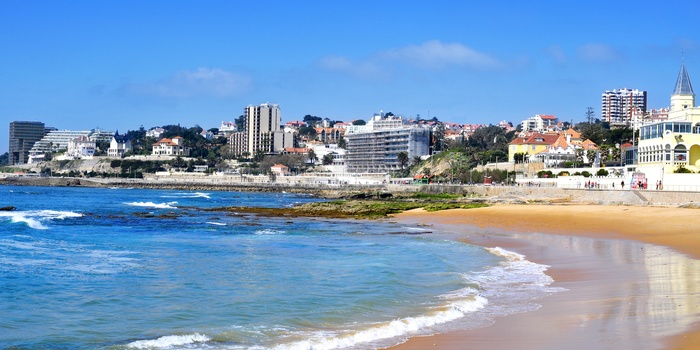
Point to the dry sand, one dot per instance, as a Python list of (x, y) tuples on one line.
[(625, 288)]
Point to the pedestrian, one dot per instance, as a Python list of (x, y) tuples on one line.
[(622, 184)]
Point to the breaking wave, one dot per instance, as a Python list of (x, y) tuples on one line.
[(168, 205), (36, 219)]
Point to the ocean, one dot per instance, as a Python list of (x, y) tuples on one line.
[(85, 268)]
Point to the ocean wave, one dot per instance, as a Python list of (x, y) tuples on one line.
[(168, 205), (216, 223), (35, 218), (393, 329), (515, 277), (188, 195), (511, 256), (169, 341)]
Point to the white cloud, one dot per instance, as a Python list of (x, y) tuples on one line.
[(598, 53), (435, 54), (556, 53), (200, 82), (430, 55), (363, 69)]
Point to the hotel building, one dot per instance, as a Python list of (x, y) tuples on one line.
[(374, 148)]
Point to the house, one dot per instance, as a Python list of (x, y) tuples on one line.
[(279, 170), (155, 132), (530, 144), (171, 147), (81, 147), (119, 145)]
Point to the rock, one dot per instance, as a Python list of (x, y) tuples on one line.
[(7, 208)]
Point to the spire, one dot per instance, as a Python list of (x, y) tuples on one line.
[(683, 85)]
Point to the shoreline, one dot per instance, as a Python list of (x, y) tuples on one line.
[(574, 240)]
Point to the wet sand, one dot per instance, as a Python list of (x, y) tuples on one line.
[(632, 276)]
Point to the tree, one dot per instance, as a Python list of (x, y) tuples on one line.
[(328, 159), (307, 131), (5, 159), (312, 120), (312, 156), (342, 143), (415, 161), (439, 137), (359, 122), (590, 115), (240, 123), (402, 157)]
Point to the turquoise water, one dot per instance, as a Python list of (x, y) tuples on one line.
[(85, 268)]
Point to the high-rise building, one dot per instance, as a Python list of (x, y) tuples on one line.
[(619, 105), (23, 135), (263, 132)]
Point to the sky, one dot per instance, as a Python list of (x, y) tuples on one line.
[(121, 64)]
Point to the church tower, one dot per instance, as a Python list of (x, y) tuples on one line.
[(683, 96)]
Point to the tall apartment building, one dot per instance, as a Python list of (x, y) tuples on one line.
[(375, 148), (263, 132), (23, 135), (619, 105)]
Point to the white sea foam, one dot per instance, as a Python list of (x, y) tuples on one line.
[(216, 223), (35, 218), (511, 256), (169, 341), (394, 329), (513, 282), (168, 205), (188, 195), (268, 231)]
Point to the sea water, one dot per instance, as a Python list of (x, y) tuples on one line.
[(84, 268)]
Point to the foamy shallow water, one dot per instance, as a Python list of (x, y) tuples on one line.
[(97, 274)]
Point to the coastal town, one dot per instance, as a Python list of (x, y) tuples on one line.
[(630, 147), (357, 175)]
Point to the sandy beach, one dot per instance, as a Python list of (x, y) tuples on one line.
[(632, 276)]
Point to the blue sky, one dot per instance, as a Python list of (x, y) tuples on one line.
[(122, 64)]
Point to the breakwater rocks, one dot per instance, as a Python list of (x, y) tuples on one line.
[(355, 209)]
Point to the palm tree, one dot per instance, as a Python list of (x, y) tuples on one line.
[(402, 157)]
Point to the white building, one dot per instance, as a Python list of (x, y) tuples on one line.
[(618, 106), (375, 148), (539, 123), (81, 148), (118, 146), (155, 132)]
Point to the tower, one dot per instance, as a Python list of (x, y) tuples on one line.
[(683, 96)]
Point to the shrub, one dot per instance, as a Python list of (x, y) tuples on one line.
[(602, 172), (682, 170), (585, 174)]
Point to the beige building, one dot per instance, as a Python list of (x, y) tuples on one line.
[(263, 132), (171, 147), (666, 146)]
